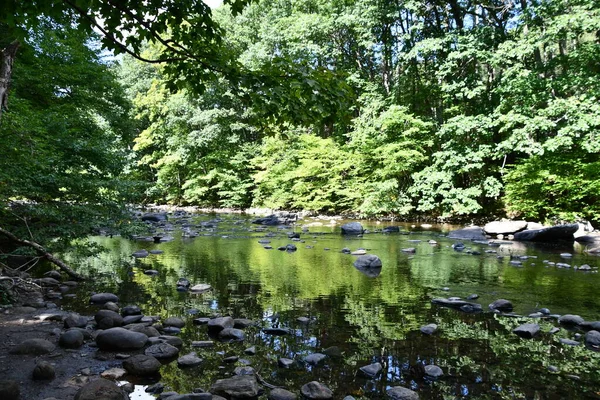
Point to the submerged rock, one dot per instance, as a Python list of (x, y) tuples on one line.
[(551, 234), (316, 391), (352, 228), (469, 233), (236, 387), (367, 261)]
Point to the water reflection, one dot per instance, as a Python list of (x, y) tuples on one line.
[(371, 316)]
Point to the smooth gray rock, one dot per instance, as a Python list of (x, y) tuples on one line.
[(220, 323), (277, 331), (172, 340), (352, 228), (189, 360), (501, 305), (429, 329), (101, 298), (155, 217), (162, 351), (401, 393), (569, 342), (592, 340), (242, 323), (367, 261), (314, 358), (527, 331), (551, 234), (120, 339), (142, 365), (71, 339), (132, 319), (590, 325), (372, 370), (34, 347), (191, 396), (247, 370), (504, 227), (570, 320), (43, 370), (236, 387), (433, 371), (143, 253), (142, 327), (316, 391), (200, 288), (232, 334), (469, 233), (285, 362), (281, 394), (100, 389), (109, 305), (174, 321), (74, 320), (107, 319), (131, 310)]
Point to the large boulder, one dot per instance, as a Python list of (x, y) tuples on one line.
[(101, 389), (551, 234), (142, 365), (120, 339), (352, 228), (237, 387), (71, 339), (504, 227), (469, 233), (162, 351), (402, 393), (34, 347), (367, 261), (101, 298), (107, 319), (218, 324), (501, 305)]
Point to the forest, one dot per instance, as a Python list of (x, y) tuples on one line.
[(403, 109)]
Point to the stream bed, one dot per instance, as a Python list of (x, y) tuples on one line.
[(359, 318)]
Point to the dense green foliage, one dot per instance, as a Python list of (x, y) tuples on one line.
[(444, 109)]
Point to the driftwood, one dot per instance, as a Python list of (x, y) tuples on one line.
[(42, 251)]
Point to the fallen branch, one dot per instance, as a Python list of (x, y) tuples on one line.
[(41, 250)]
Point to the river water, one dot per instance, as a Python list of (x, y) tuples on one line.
[(365, 319)]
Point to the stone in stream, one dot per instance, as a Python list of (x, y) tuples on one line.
[(372, 370), (162, 351), (140, 253), (281, 394), (244, 371), (114, 374), (504, 227), (151, 272), (569, 342), (120, 339), (333, 351), (74, 320), (469, 233), (236, 387), (216, 325), (71, 339), (174, 321), (590, 325), (131, 310), (527, 331), (316, 391), (149, 331), (200, 321), (34, 347), (242, 323), (285, 362), (570, 320), (156, 388), (433, 371), (200, 288), (592, 340), (101, 298), (132, 319), (429, 329), (411, 250), (232, 334), (100, 389), (401, 393), (551, 234), (142, 365), (352, 228), (391, 229), (203, 343), (189, 360), (109, 305), (501, 305), (314, 358), (250, 350), (155, 217), (277, 331), (368, 261), (172, 340), (106, 319), (43, 370)]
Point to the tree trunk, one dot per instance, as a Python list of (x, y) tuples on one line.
[(7, 57)]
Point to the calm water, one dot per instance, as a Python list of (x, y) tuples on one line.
[(370, 319)]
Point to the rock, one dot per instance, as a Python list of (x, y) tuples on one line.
[(285, 362), (71, 339), (250, 350), (203, 343), (149, 331), (551, 234), (172, 340), (155, 217), (469, 233), (174, 321), (504, 227), (200, 321), (391, 229), (74, 320), (333, 351), (107, 319), (162, 351), (156, 388), (142, 365), (401, 393), (428, 329), (457, 303), (569, 342), (472, 296), (281, 394), (101, 298), (120, 339), (277, 331), (191, 396), (200, 288), (242, 323), (131, 310), (9, 390), (592, 340), (316, 390), (410, 250), (109, 305), (183, 284), (352, 228), (230, 359), (372, 370), (433, 371), (151, 272), (244, 371), (589, 239), (270, 220), (236, 387), (590, 325), (43, 370), (132, 319), (114, 374), (218, 324), (314, 358), (34, 347), (100, 389), (189, 360), (570, 320), (527, 331), (501, 305), (367, 261), (172, 330), (140, 253), (232, 334)]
